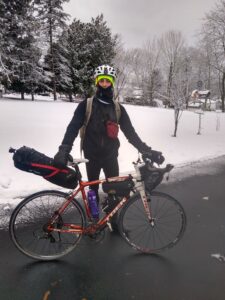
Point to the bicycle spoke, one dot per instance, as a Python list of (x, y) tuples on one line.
[(28, 225), (165, 228)]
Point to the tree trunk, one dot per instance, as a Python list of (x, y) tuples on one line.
[(71, 97), (176, 118), (223, 91), (209, 77), (32, 92), (169, 84), (22, 95), (52, 54), (186, 85), (151, 90)]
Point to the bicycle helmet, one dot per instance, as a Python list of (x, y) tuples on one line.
[(105, 70)]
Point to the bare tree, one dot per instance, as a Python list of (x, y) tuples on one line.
[(128, 67), (185, 73), (178, 100), (150, 73), (122, 62), (172, 43), (136, 66), (213, 37), (201, 72), (144, 69)]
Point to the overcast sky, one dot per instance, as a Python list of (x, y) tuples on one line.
[(140, 20)]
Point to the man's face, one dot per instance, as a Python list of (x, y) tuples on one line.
[(104, 83)]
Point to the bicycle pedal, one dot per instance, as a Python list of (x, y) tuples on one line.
[(97, 237), (92, 236)]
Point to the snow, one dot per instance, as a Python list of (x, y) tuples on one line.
[(42, 124)]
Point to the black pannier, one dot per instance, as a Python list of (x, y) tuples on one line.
[(30, 160), (120, 188)]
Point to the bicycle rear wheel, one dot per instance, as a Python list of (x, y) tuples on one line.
[(165, 229), (29, 220)]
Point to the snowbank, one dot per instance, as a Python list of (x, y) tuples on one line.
[(42, 124)]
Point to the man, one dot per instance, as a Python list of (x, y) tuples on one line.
[(100, 144)]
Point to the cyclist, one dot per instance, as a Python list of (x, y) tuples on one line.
[(101, 144)]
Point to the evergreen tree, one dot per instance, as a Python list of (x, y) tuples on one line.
[(3, 69), (21, 53), (62, 65), (76, 48), (52, 20), (99, 49), (84, 47)]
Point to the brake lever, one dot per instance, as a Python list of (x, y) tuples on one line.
[(137, 162), (169, 167)]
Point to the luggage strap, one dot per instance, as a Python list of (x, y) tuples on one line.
[(55, 170)]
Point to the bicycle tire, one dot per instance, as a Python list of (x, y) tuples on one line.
[(27, 223), (166, 230)]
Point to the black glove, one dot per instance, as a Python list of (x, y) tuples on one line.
[(62, 156), (154, 156)]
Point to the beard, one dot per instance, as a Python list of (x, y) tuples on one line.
[(105, 94)]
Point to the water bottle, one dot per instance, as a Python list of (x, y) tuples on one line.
[(93, 205)]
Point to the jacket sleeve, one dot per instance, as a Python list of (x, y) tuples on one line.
[(130, 133), (75, 124)]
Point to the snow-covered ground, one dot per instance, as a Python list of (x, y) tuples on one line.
[(42, 124)]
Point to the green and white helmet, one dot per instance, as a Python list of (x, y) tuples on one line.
[(105, 70)]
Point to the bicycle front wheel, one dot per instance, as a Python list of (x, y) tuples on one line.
[(164, 230), (29, 222)]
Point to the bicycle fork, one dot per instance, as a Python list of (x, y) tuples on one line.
[(140, 187), (146, 206)]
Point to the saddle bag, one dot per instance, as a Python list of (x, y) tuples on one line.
[(32, 161)]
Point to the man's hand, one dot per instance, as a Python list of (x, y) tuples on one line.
[(154, 156), (62, 156)]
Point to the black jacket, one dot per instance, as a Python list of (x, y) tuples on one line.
[(97, 145)]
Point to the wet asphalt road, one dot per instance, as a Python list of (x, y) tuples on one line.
[(111, 270)]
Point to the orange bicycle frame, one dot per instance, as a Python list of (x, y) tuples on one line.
[(72, 228)]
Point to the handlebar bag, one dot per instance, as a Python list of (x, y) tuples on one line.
[(32, 161), (151, 178)]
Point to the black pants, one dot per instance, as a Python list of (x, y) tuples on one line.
[(110, 168)]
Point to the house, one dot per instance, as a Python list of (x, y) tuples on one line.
[(201, 100)]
